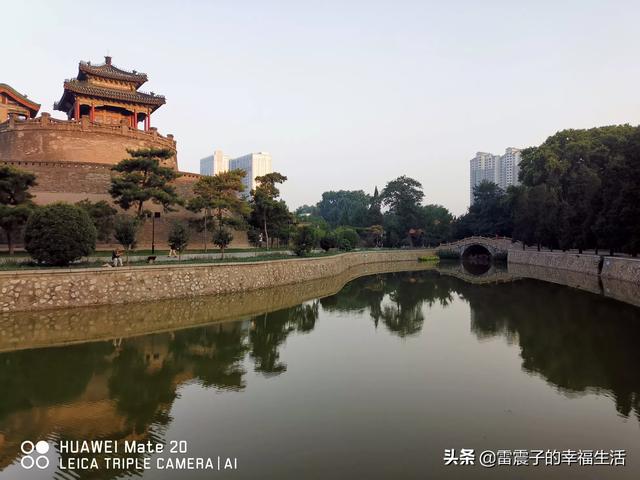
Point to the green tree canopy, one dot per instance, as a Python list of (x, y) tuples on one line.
[(15, 200), (268, 213), (305, 240), (178, 237), (403, 198), (143, 179), (436, 223), (587, 180), (220, 196), (489, 214), (102, 214), (345, 207), (374, 215), (126, 232)]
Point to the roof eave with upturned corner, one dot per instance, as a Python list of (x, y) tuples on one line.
[(33, 107)]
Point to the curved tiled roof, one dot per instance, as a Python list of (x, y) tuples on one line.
[(18, 97), (109, 71), (86, 88)]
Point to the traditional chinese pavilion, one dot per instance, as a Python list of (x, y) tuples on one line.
[(14, 103), (108, 95)]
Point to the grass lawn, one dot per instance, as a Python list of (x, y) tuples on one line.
[(159, 251), (258, 258)]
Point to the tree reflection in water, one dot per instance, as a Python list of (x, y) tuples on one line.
[(215, 354), (406, 292), (578, 342), (269, 331)]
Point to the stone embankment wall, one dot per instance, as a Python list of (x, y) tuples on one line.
[(560, 260), (616, 268), (39, 290), (622, 269), (46, 328)]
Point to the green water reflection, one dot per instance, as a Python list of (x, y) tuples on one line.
[(579, 343)]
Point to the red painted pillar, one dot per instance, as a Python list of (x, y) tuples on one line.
[(135, 120), (93, 113), (147, 122), (76, 112)]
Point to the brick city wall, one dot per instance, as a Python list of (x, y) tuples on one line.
[(74, 181), (45, 139), (39, 290), (72, 162)]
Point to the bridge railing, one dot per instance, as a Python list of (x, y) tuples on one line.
[(504, 242)]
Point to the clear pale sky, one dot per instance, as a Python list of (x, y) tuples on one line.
[(347, 95)]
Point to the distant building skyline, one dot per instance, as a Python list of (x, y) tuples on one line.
[(214, 164), (255, 164), (502, 170)]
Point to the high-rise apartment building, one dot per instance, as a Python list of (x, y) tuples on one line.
[(255, 164), (502, 170), (509, 168), (214, 164)]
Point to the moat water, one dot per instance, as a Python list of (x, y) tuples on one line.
[(375, 381)]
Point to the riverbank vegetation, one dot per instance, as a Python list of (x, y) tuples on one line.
[(395, 217), (580, 189)]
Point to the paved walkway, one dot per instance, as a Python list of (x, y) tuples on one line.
[(162, 258)]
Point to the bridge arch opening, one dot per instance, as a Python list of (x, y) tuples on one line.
[(476, 259), (477, 252)]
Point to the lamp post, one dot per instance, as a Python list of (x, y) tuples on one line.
[(153, 216)]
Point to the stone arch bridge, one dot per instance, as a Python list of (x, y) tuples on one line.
[(476, 245)]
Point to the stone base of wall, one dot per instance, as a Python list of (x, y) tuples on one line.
[(618, 268), (39, 290), (588, 264)]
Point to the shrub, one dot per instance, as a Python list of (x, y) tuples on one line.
[(222, 237), (304, 241), (347, 238), (328, 241), (125, 231), (254, 237), (59, 234), (345, 245), (102, 215), (178, 237)]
